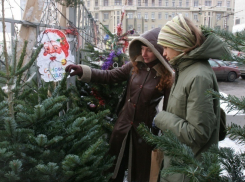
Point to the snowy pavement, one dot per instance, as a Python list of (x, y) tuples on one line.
[(232, 117)]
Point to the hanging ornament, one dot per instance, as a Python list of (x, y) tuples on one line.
[(115, 65), (72, 31), (131, 31), (106, 37), (119, 29), (92, 106)]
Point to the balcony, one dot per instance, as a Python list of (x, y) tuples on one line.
[(208, 8), (116, 7)]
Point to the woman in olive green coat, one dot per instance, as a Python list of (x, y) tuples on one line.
[(191, 115)]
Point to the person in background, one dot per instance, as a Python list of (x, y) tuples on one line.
[(192, 115), (149, 79)]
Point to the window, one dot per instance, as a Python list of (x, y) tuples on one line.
[(88, 4), (146, 2), (219, 3), (130, 15), (159, 26), (180, 3), (218, 16), (106, 16), (153, 15), (152, 26), (237, 21), (166, 3), (96, 3), (152, 2), (118, 20), (138, 28), (166, 16), (187, 3), (228, 4), (160, 15), (96, 16), (173, 3), (139, 15), (118, 2), (186, 15), (139, 2), (146, 15), (130, 2), (160, 2), (105, 2), (213, 63), (195, 16), (173, 15), (146, 28), (118, 13), (195, 3), (130, 27), (208, 3)]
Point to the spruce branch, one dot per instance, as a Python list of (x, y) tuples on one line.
[(23, 53), (182, 158), (29, 64), (236, 133), (14, 57), (232, 163), (10, 127), (233, 102)]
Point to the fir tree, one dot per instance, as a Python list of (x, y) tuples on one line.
[(98, 97), (45, 133)]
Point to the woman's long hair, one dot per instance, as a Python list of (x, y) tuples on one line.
[(165, 80)]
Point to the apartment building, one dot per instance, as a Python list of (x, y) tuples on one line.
[(143, 15), (239, 16)]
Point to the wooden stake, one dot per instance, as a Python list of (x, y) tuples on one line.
[(32, 13)]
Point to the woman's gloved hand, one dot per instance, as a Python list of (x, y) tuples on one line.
[(77, 70)]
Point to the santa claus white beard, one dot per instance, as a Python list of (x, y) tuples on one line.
[(55, 57), (51, 67)]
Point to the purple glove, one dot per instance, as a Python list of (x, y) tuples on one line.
[(77, 70)]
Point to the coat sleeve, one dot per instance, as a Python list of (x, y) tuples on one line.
[(200, 122), (106, 76)]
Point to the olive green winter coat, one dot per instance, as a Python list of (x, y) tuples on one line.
[(192, 115)]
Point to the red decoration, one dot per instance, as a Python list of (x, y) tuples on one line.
[(96, 95), (71, 30)]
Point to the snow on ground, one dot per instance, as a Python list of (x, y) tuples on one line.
[(228, 142)]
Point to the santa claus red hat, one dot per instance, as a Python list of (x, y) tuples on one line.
[(57, 36)]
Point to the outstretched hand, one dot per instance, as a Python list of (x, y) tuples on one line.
[(77, 70)]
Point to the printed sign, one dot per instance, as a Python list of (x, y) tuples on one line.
[(54, 56)]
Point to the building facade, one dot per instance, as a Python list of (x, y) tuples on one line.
[(239, 16), (143, 15)]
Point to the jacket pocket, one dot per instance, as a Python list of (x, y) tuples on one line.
[(178, 105)]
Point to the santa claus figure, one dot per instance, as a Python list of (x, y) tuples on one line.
[(54, 56)]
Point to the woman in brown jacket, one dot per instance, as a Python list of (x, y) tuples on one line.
[(150, 80)]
